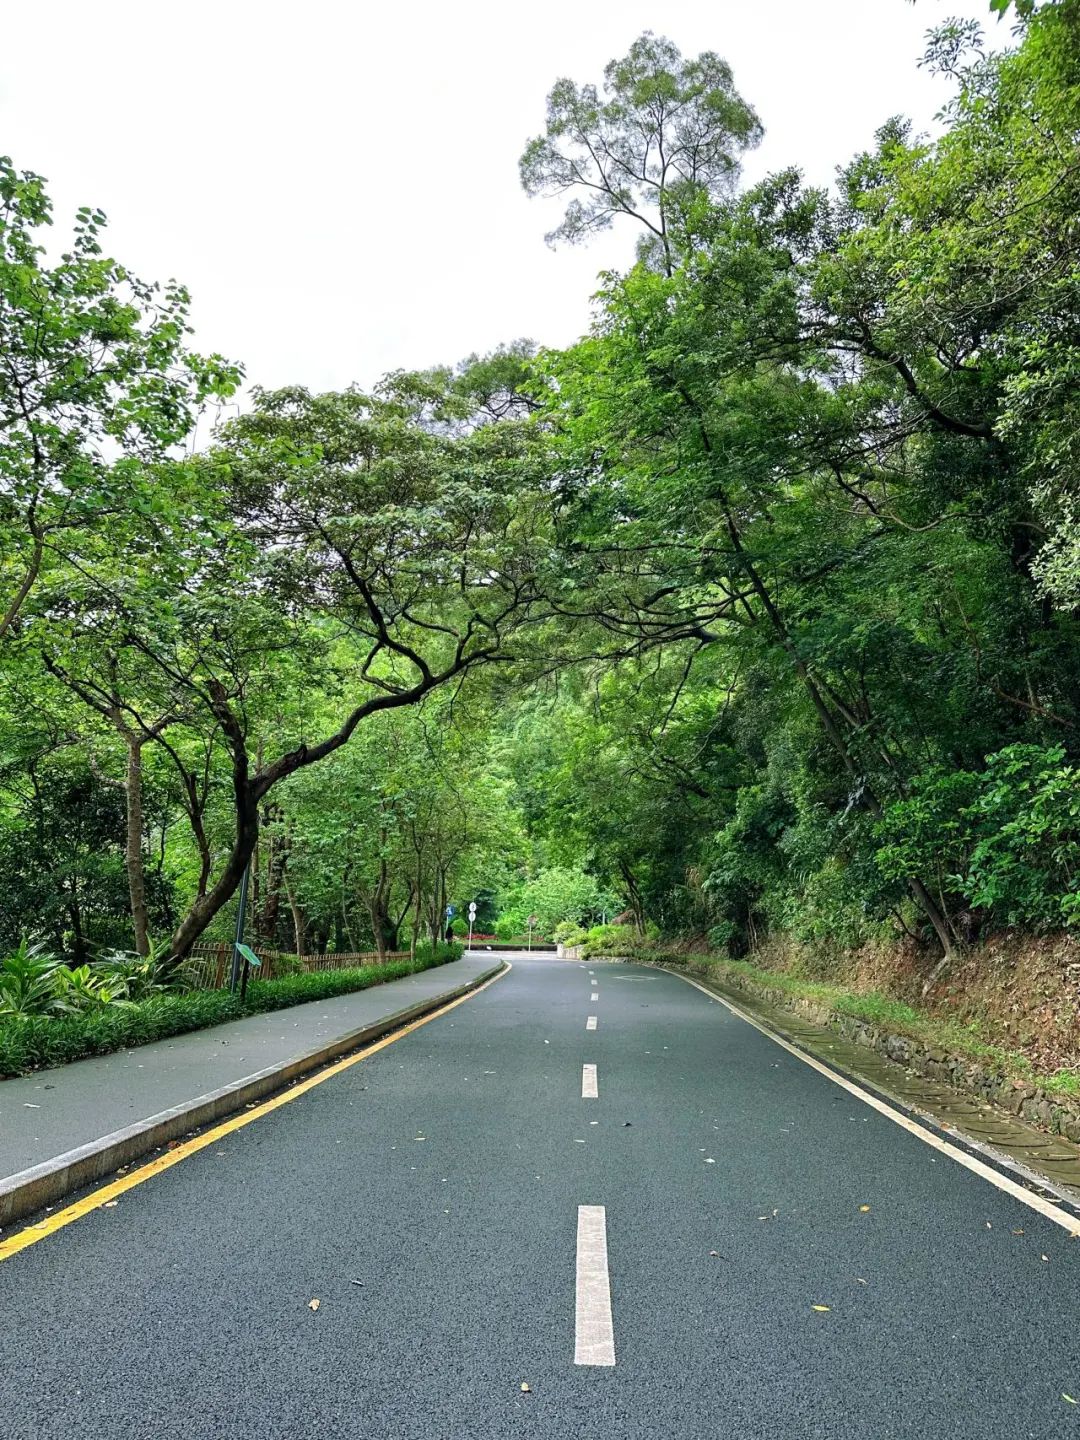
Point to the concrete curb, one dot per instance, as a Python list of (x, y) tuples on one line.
[(30, 1190)]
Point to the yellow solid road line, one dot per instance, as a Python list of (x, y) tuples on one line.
[(105, 1194), (986, 1172)]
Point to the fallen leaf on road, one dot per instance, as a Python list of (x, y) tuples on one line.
[(859, 1280), (526, 1387), (1018, 1232), (28, 1106), (110, 1204), (820, 1308), (715, 1252), (1069, 1398), (863, 1209), (358, 1282), (988, 1225), (1044, 1257), (313, 1304)]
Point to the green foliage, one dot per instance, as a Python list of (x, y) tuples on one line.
[(1025, 821), (665, 136), (754, 610), (50, 1038), (1006, 838), (557, 895), (29, 983)]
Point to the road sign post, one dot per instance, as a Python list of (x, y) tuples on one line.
[(532, 922), (472, 920), (241, 912)]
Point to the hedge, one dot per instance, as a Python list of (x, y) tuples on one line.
[(44, 1040)]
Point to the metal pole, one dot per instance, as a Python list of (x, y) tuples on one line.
[(234, 977)]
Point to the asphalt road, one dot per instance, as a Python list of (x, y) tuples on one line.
[(428, 1197)]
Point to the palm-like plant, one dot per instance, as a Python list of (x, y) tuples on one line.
[(29, 983)]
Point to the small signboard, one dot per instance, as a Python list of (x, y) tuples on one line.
[(249, 955)]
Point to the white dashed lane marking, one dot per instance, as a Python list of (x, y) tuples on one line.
[(590, 1023), (588, 1083), (594, 1334)]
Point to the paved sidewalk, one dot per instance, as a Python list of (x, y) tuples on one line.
[(47, 1114)]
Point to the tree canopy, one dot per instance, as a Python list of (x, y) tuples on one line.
[(751, 612)]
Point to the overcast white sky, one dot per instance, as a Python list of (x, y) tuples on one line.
[(337, 182)]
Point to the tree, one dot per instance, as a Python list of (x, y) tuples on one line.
[(663, 139), (95, 366), (422, 551)]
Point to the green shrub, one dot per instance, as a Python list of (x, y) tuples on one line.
[(137, 977), (31, 1041), (612, 940), (29, 983), (1005, 839), (508, 927)]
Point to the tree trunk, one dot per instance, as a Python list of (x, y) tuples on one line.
[(78, 939), (418, 906), (267, 917), (299, 924), (133, 856), (382, 924), (205, 907), (634, 896)]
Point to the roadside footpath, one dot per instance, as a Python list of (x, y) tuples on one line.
[(63, 1128)]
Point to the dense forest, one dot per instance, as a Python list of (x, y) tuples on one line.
[(752, 613)]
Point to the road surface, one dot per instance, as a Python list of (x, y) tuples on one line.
[(662, 1224)]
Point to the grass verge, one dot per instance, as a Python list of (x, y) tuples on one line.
[(37, 1042)]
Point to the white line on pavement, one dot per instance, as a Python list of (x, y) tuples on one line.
[(1018, 1192), (588, 1083), (595, 995), (590, 1023), (594, 1334)]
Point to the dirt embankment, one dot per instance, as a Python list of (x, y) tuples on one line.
[(1019, 992)]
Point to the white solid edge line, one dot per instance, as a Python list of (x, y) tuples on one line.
[(588, 1083), (978, 1167), (590, 1023), (594, 1334)]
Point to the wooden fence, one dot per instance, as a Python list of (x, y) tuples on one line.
[(208, 966)]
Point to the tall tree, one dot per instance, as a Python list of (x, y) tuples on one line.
[(664, 137)]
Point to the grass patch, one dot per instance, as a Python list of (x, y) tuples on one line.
[(1062, 1082), (45, 1040)]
